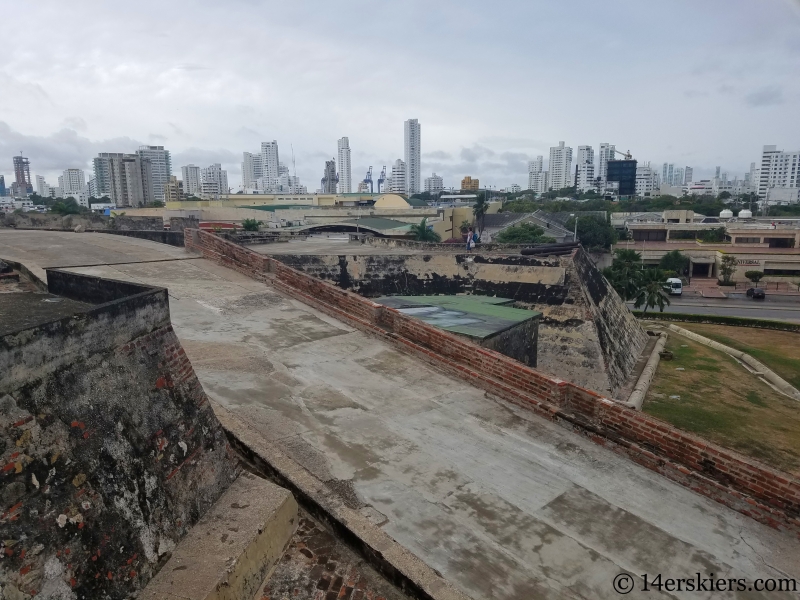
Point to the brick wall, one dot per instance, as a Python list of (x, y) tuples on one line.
[(765, 494), (106, 461)]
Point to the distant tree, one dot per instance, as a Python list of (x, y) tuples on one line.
[(155, 204), (674, 261), (651, 291), (67, 206), (724, 195), (754, 276), (427, 196), (521, 206), (727, 268), (479, 209), (712, 235), (524, 233), (593, 232), (251, 224), (422, 233)]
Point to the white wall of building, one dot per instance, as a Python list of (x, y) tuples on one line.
[(537, 176), (585, 168), (434, 184), (560, 167), (604, 154), (192, 181), (779, 169), (399, 177)]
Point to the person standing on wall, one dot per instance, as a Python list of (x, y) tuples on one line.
[(470, 240)]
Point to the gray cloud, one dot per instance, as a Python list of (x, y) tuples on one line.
[(214, 97), (75, 123), (766, 96), (63, 149)]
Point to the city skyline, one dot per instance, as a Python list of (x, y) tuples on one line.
[(733, 70)]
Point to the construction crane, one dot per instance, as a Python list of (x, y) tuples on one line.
[(368, 179), (627, 155), (382, 178)]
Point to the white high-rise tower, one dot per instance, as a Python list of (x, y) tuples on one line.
[(585, 166), (605, 154), (413, 153), (537, 176), (560, 166), (345, 175), (270, 165)]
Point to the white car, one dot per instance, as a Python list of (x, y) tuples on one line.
[(675, 286)]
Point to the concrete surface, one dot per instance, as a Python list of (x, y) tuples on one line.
[(501, 502), (232, 549)]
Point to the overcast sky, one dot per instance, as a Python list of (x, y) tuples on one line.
[(694, 82)]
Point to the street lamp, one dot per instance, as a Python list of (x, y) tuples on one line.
[(575, 235)]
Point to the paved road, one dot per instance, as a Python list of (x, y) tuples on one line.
[(729, 307)]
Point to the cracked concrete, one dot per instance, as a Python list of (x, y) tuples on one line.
[(503, 503)]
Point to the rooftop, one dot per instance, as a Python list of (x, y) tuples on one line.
[(478, 317)]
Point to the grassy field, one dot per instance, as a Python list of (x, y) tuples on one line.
[(779, 350), (716, 398)]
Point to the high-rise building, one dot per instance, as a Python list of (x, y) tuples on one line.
[(173, 192), (605, 154), (537, 176), (560, 166), (470, 184), (2, 185), (413, 153), (345, 170), (72, 183), (688, 173), (434, 184), (779, 169), (329, 177), (270, 163), (214, 181), (677, 177), (44, 190), (668, 174), (398, 178), (125, 178), (624, 173), (252, 170), (717, 172), (192, 181), (584, 180), (514, 188), (646, 180), (22, 174), (161, 167)]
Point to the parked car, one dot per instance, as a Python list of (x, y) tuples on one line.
[(756, 293), (674, 286)]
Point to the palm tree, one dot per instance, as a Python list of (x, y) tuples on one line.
[(625, 273), (479, 209), (421, 232), (651, 291)]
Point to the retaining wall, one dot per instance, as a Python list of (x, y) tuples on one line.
[(754, 489), (109, 450)]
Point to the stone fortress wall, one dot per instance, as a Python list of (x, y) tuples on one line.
[(109, 449)]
